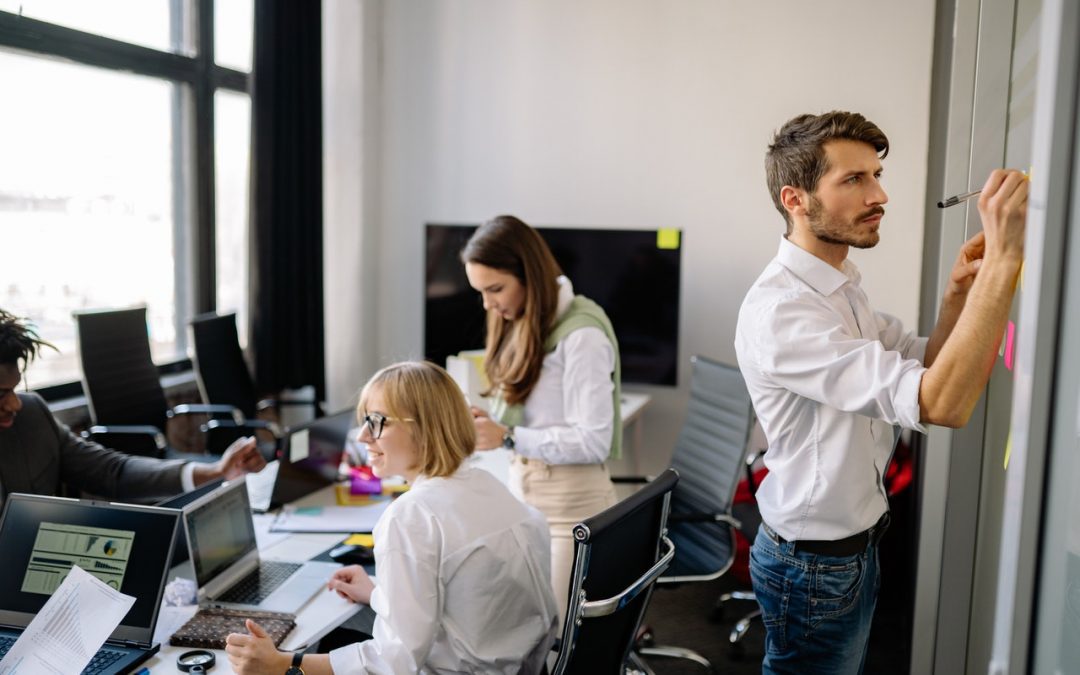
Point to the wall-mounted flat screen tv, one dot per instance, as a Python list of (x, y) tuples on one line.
[(633, 274)]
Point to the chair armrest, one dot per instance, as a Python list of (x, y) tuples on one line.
[(252, 425), (267, 403), (144, 429), (729, 519), (100, 434), (635, 480), (704, 517), (592, 608), (208, 409)]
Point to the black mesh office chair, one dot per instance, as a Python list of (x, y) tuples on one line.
[(123, 389), (709, 455), (224, 379), (618, 555)]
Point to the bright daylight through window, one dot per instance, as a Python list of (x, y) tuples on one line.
[(98, 188)]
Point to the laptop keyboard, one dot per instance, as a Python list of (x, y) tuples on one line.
[(99, 664), (255, 587), (102, 661)]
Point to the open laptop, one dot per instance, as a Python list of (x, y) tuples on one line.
[(180, 547), (125, 545), (308, 460), (221, 543)]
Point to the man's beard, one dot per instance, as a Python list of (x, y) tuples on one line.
[(834, 231)]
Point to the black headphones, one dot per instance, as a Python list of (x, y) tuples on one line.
[(195, 661)]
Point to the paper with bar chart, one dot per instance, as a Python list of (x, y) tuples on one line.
[(69, 629)]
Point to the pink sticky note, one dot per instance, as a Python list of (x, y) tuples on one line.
[(1009, 335)]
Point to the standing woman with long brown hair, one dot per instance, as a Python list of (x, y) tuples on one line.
[(553, 363)]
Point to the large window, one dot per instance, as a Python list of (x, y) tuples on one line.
[(232, 131), (142, 22), (115, 134)]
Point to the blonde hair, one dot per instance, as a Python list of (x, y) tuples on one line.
[(515, 347), (442, 429)]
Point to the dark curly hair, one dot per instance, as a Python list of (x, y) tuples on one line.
[(19, 341)]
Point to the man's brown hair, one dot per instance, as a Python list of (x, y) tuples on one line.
[(797, 158)]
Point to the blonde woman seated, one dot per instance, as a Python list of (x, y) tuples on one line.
[(464, 573)]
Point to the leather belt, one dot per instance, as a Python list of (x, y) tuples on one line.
[(839, 548)]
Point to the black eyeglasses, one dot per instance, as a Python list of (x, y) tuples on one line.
[(376, 421)]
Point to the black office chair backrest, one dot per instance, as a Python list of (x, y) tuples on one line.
[(709, 455), (120, 379), (220, 368), (618, 556)]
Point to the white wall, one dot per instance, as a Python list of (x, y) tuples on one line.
[(635, 113), (351, 75)]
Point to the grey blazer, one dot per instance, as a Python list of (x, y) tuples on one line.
[(38, 453)]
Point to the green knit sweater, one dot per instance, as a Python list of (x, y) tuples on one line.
[(582, 313)]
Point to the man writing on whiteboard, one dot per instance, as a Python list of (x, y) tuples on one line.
[(830, 377)]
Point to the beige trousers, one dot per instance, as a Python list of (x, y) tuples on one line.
[(566, 494)]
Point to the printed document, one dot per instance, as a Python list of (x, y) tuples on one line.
[(69, 629)]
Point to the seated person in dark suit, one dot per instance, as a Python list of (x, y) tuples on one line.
[(38, 453)]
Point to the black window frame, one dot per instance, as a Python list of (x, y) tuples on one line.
[(194, 182)]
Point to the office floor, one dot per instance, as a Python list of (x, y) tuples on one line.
[(682, 616)]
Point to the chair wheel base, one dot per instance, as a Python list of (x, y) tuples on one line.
[(677, 653)]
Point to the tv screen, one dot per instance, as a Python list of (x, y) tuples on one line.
[(633, 274)]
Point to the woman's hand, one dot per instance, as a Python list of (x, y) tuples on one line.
[(352, 582), (255, 653), (489, 433)]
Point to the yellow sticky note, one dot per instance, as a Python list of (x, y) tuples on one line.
[(1008, 449), (667, 238), (360, 540)]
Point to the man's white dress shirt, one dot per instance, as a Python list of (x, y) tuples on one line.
[(570, 413), (828, 376), (464, 583)]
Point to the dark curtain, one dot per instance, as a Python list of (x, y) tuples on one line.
[(286, 172)]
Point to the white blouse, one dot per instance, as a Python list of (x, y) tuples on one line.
[(570, 413), (829, 378), (464, 583)]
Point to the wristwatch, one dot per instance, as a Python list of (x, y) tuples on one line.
[(295, 668), (508, 438)]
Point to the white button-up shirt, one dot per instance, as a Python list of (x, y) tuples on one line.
[(570, 413), (464, 583), (828, 376)]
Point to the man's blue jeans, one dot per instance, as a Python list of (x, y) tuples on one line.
[(816, 609)]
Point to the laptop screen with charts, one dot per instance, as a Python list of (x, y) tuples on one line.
[(125, 545), (308, 461), (225, 557)]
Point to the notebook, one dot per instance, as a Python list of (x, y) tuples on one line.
[(308, 460), (225, 557), (125, 545)]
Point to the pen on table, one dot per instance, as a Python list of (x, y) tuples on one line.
[(143, 671)]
